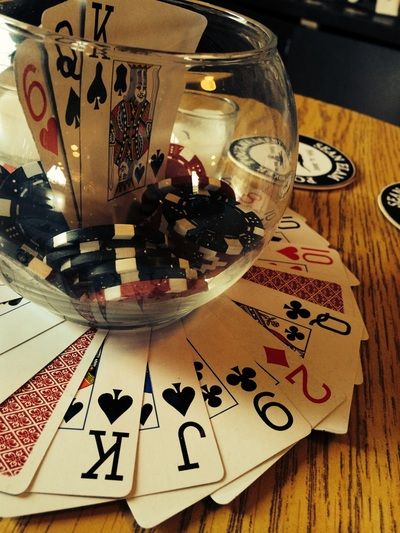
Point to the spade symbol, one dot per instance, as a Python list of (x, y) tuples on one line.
[(156, 161), (120, 83), (97, 92), (179, 399), (139, 171), (73, 111), (73, 410), (113, 406), (145, 412)]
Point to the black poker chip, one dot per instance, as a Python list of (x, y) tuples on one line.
[(138, 235), (28, 206), (389, 203), (216, 228), (184, 186), (321, 166)]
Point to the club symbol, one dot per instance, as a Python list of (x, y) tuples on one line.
[(293, 334), (295, 310), (243, 377), (211, 395)]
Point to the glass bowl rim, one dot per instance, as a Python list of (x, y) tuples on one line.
[(266, 39)]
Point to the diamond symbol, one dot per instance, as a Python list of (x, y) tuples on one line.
[(276, 356)]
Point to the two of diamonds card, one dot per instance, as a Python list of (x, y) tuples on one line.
[(165, 418)]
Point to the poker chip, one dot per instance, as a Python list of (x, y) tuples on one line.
[(321, 166), (182, 161), (28, 206), (189, 228), (389, 203), (143, 268), (214, 227), (181, 186), (116, 232)]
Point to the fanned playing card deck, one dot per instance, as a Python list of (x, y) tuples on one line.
[(200, 408)]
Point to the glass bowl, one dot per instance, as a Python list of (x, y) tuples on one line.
[(142, 169)]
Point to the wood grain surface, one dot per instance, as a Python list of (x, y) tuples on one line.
[(326, 483)]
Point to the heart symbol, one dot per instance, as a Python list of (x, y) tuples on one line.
[(179, 399), (290, 252), (145, 412), (73, 410), (139, 171), (113, 406), (48, 136)]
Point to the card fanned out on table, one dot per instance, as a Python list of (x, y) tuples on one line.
[(162, 418)]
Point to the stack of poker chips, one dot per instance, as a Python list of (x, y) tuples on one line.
[(184, 231)]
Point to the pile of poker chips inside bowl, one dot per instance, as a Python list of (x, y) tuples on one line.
[(183, 233)]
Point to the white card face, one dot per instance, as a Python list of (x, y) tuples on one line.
[(177, 447), (23, 323), (36, 98), (31, 503), (293, 228), (132, 101), (7, 294), (10, 305), (244, 404), (102, 423), (19, 364), (230, 491), (302, 258), (30, 417), (65, 68), (327, 340), (313, 396)]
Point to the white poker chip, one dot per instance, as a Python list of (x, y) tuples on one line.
[(389, 203), (321, 166)]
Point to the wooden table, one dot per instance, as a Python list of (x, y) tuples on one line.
[(326, 483)]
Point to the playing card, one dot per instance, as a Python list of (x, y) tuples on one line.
[(328, 340), (251, 409), (7, 294), (65, 69), (102, 423), (32, 317), (6, 306), (305, 259), (30, 417), (229, 492), (31, 503), (20, 363), (132, 101), (313, 396), (36, 98), (176, 437), (319, 290), (293, 228)]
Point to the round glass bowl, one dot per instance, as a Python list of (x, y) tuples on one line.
[(142, 171)]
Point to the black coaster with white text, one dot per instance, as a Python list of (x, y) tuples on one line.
[(321, 166), (389, 203)]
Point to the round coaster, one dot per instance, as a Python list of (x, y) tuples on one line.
[(322, 167), (263, 156), (389, 203)]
